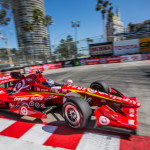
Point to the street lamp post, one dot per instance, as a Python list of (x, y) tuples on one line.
[(75, 24)]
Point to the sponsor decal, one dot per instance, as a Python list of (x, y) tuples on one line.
[(11, 105), (31, 103), (103, 60), (21, 98), (131, 122), (42, 105), (29, 79), (131, 112), (46, 67), (91, 91), (38, 89), (68, 63), (114, 97), (82, 62), (64, 91), (17, 106), (24, 110), (2, 92), (19, 85), (37, 105), (104, 121), (44, 90), (50, 97), (39, 98)]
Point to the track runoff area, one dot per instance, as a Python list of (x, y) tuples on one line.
[(132, 79)]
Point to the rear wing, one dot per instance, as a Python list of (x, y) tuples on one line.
[(14, 76), (6, 79)]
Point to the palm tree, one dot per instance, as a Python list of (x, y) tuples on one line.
[(106, 8)]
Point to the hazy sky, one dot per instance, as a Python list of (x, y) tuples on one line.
[(65, 11)]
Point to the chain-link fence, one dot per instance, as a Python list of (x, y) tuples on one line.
[(59, 52)]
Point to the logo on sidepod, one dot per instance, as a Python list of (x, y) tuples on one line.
[(104, 121)]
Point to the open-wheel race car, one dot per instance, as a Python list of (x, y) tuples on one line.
[(35, 96)]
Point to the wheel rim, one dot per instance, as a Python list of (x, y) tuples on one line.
[(72, 114)]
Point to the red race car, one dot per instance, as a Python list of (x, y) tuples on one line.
[(35, 96)]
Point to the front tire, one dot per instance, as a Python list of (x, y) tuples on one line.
[(77, 112), (100, 86)]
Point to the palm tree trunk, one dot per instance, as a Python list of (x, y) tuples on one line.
[(104, 29)]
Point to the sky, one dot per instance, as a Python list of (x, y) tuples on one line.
[(65, 11)]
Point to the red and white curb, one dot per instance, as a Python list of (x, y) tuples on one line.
[(16, 135)]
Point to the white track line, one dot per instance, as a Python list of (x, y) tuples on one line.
[(5, 123), (97, 141), (7, 143), (38, 133)]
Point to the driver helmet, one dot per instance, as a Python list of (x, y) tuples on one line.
[(50, 82)]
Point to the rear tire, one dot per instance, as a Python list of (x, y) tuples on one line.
[(76, 112), (100, 86)]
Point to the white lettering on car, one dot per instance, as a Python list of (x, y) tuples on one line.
[(39, 98), (91, 91), (131, 112), (21, 98)]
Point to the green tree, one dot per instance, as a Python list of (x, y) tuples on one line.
[(5, 10), (67, 48), (105, 7)]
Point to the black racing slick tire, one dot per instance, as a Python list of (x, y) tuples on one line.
[(76, 112), (100, 86)]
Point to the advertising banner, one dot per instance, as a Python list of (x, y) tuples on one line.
[(52, 66), (126, 47), (89, 61), (131, 58), (76, 62), (113, 59), (101, 49), (145, 56), (144, 45), (33, 69), (68, 63), (44, 67), (110, 60)]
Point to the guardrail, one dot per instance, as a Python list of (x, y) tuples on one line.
[(78, 62)]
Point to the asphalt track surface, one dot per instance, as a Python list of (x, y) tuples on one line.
[(132, 79)]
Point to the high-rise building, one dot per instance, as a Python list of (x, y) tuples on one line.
[(138, 30), (115, 27), (35, 42)]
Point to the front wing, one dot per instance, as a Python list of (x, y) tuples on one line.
[(107, 117)]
